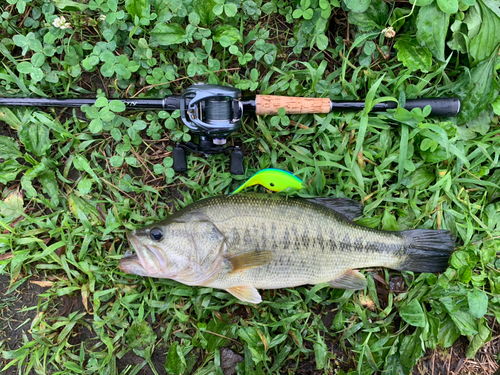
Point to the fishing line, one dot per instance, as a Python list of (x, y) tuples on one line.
[(218, 110)]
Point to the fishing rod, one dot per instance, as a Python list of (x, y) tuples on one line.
[(213, 112)]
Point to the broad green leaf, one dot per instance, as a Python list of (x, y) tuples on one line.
[(25, 67), (357, 6), (322, 42), (116, 161), (35, 138), (9, 148), (175, 362), (9, 170), (49, 183), (36, 75), (218, 9), (37, 170), (140, 335), (20, 40), (38, 59), (107, 69), (106, 115), (413, 314), (320, 352), (227, 35), (117, 106), (473, 20), (478, 303), (85, 185), (421, 179), (373, 18), (477, 89), (464, 321), (369, 47), (496, 106), (481, 124), (411, 350), (482, 337), (168, 34), (101, 102), (492, 5), (230, 9), (69, 5), (95, 126), (136, 7), (413, 56), (448, 333), (448, 6), (488, 38), (389, 221), (421, 3), (432, 26), (465, 274)]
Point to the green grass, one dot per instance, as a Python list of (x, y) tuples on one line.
[(73, 182)]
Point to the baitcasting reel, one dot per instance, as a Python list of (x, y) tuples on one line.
[(212, 112)]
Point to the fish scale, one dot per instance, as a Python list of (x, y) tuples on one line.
[(302, 258), (253, 241)]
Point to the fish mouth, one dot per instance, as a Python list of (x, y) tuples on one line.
[(139, 261), (130, 255)]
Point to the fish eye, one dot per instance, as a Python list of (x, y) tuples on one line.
[(156, 234)]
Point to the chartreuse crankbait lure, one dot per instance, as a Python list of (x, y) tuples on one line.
[(272, 179)]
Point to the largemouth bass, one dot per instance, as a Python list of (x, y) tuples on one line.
[(241, 243)]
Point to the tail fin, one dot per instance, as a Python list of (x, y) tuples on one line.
[(427, 250)]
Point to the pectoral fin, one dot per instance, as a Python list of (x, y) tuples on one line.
[(249, 259), (245, 293), (352, 279)]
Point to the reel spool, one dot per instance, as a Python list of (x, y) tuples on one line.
[(212, 112)]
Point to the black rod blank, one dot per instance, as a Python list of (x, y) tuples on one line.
[(445, 107), (170, 103)]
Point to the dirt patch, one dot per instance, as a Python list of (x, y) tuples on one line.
[(453, 361), (16, 316), (229, 361)]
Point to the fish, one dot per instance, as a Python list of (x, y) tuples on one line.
[(245, 242)]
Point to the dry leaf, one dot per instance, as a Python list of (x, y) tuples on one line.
[(43, 284)]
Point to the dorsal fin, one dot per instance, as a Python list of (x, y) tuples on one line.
[(345, 206)]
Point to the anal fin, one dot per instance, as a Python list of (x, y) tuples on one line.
[(352, 279), (245, 293)]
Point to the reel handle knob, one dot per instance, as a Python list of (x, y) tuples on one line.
[(179, 155), (237, 162)]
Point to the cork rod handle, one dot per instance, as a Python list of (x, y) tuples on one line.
[(269, 105)]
